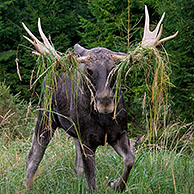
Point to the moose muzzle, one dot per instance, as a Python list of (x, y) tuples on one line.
[(105, 102)]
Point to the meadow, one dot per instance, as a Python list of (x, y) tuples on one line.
[(158, 172)]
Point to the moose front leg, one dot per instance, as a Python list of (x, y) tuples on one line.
[(79, 166), (37, 150), (122, 147), (88, 156), (33, 159)]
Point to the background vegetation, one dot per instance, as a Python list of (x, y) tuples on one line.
[(164, 165)]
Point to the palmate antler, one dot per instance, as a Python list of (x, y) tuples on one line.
[(150, 39), (44, 48), (153, 38)]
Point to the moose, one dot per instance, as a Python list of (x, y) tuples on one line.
[(96, 123)]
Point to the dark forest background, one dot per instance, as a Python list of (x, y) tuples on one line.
[(94, 23)]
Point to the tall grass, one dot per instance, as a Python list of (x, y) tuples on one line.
[(51, 68), (167, 172)]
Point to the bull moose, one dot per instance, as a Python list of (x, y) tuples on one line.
[(95, 123)]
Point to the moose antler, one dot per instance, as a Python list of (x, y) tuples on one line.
[(150, 38), (153, 38), (45, 48)]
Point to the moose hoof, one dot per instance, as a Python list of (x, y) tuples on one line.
[(116, 185)]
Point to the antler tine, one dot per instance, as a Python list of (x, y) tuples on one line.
[(44, 38), (44, 47), (46, 41), (30, 34), (118, 57), (167, 38), (147, 32), (155, 32), (37, 44), (83, 59), (147, 21), (159, 34), (32, 42)]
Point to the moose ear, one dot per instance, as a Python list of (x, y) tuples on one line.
[(79, 50)]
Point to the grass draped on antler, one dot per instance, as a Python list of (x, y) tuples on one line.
[(49, 69), (153, 65)]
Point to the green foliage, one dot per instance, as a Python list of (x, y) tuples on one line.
[(102, 29), (182, 56)]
